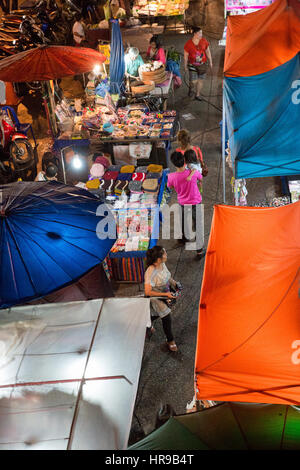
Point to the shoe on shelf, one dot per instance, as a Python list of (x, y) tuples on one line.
[(172, 346), (198, 98)]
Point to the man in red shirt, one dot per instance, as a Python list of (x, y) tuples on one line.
[(197, 57)]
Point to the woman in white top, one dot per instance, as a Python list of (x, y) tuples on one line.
[(78, 30), (157, 283)]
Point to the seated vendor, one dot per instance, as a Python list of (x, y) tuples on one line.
[(156, 51), (133, 61), (116, 10)]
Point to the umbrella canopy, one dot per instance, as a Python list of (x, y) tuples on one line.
[(49, 63), (229, 426), (49, 237), (117, 64)]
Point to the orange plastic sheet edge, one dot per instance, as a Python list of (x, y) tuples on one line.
[(263, 40), (248, 341)]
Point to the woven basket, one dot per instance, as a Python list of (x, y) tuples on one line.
[(158, 76), (142, 87)]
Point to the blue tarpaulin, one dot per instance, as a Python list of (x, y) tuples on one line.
[(263, 122), (49, 238), (117, 63)]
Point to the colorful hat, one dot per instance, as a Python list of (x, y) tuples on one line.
[(93, 184), (141, 169), (150, 185), (138, 176), (125, 176), (103, 160), (110, 175), (135, 186), (153, 175), (97, 170), (154, 168), (127, 169), (115, 168)]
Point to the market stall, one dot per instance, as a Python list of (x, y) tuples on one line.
[(105, 128), (160, 8), (138, 220)]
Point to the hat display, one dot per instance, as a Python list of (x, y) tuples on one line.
[(127, 169), (103, 160), (115, 168), (150, 185), (110, 175), (152, 168), (93, 184), (141, 169), (153, 175), (135, 186), (125, 176), (138, 176), (97, 170)]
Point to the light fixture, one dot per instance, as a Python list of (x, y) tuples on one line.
[(96, 69), (76, 162)]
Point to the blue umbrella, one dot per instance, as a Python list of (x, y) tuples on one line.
[(117, 63), (50, 236)]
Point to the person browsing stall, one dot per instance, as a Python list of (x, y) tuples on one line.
[(158, 281), (197, 56), (189, 197)]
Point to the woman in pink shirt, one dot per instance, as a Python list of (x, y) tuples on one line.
[(189, 199), (156, 51)]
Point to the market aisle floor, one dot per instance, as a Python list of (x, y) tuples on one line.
[(168, 378)]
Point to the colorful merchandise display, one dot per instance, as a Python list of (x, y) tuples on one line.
[(102, 121), (136, 211), (160, 7)]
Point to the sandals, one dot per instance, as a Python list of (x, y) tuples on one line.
[(172, 347)]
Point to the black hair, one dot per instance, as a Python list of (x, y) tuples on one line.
[(153, 254), (190, 156), (78, 16), (156, 40), (196, 29), (51, 170), (177, 159)]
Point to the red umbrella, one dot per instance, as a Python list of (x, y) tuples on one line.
[(49, 63), (46, 63)]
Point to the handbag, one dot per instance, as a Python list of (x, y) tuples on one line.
[(202, 163)]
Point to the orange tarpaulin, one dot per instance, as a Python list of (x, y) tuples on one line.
[(48, 63), (260, 41), (248, 346)]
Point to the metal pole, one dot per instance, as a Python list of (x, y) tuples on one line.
[(223, 146)]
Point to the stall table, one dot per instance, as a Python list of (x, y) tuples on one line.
[(129, 266), (165, 90)]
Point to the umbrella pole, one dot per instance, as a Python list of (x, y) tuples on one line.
[(51, 109), (47, 110)]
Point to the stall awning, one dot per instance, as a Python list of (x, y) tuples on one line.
[(263, 116), (248, 346), (69, 373), (264, 40)]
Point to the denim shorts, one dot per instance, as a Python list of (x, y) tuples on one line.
[(196, 73)]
